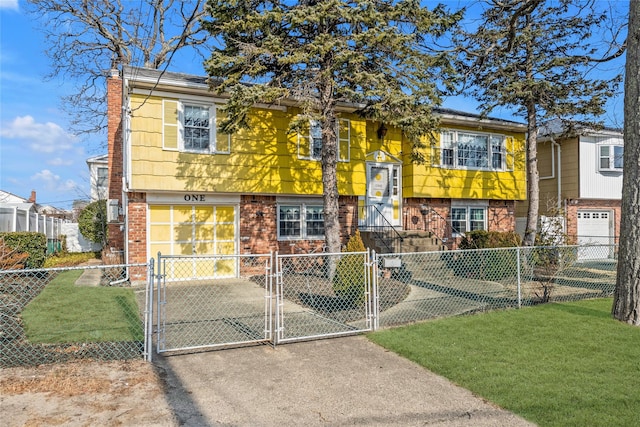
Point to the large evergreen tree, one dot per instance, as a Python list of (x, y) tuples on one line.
[(534, 56), (374, 54), (626, 304)]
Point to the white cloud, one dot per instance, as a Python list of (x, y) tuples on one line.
[(53, 182), (9, 4), (58, 161), (41, 137)]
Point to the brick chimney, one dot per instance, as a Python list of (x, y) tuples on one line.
[(32, 198), (114, 154)]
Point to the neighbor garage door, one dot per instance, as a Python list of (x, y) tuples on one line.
[(594, 228), (194, 230)]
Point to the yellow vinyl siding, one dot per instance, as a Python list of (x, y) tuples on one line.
[(435, 181), (265, 159), (262, 159)]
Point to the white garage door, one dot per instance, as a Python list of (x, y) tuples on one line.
[(594, 228)]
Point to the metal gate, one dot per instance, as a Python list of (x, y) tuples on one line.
[(322, 295), (216, 300), (230, 300)]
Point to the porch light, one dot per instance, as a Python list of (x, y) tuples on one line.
[(382, 131)]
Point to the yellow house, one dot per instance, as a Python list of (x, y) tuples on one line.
[(181, 187)]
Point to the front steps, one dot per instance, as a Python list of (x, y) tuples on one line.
[(411, 241)]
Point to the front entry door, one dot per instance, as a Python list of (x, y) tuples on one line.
[(383, 194)]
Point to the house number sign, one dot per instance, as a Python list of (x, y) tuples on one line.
[(194, 198)]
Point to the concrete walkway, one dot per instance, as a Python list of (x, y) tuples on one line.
[(332, 382)]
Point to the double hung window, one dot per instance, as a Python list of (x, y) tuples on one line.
[(197, 128), (310, 140), (191, 126), (300, 221), (468, 218)]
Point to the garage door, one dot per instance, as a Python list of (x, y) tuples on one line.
[(195, 230), (594, 228)]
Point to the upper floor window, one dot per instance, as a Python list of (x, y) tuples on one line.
[(192, 127), (470, 150), (611, 157), (310, 140), (197, 127)]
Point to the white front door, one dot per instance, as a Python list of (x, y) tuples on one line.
[(383, 195)]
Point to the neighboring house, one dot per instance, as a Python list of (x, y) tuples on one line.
[(581, 180), (6, 197), (99, 176), (181, 187), (18, 214)]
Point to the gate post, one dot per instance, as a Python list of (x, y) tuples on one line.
[(375, 301), (148, 312)]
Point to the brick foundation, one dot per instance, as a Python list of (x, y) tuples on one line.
[(259, 226)]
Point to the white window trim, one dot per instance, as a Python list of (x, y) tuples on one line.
[(307, 140), (303, 205), (212, 127), (468, 206), (611, 157), (454, 147)]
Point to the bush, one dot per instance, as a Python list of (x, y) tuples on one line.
[(70, 259), (486, 265), (349, 280), (10, 259), (32, 243), (480, 239), (93, 222)]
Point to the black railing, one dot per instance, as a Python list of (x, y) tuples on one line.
[(387, 237)]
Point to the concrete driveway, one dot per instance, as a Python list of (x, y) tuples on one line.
[(334, 382)]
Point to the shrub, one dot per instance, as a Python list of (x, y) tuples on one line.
[(70, 259), (32, 243), (349, 280), (10, 259), (480, 239), (93, 222), (486, 265)]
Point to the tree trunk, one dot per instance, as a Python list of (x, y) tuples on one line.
[(533, 193), (626, 302), (329, 172)]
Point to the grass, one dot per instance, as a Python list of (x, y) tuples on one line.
[(65, 313), (560, 364)]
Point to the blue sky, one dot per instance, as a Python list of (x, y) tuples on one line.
[(37, 152)]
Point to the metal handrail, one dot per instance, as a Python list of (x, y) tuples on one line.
[(382, 230), (437, 225)]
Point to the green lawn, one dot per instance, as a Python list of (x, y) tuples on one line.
[(560, 364), (65, 313)]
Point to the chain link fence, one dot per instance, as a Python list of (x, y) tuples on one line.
[(322, 295), (209, 301), (449, 283), (60, 314)]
